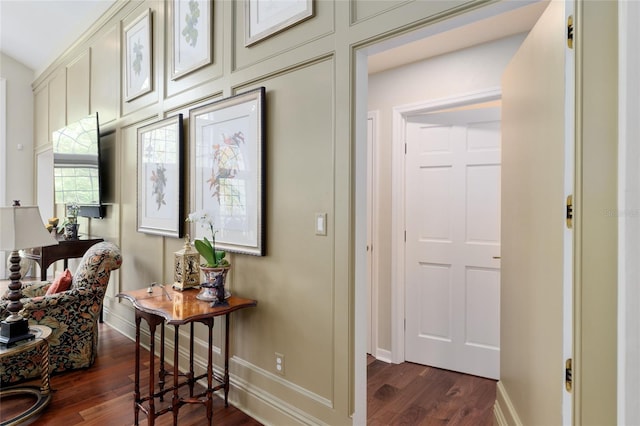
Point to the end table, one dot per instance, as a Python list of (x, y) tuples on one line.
[(43, 393)]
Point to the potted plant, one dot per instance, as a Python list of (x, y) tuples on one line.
[(71, 225), (216, 266)]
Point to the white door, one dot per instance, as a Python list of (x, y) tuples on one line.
[(452, 251)]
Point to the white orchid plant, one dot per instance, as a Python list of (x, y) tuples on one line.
[(207, 249)]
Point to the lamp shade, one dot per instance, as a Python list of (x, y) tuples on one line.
[(22, 227)]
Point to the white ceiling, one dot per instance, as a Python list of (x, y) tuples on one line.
[(36, 32), (506, 24)]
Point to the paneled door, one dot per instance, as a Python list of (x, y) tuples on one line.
[(452, 251)]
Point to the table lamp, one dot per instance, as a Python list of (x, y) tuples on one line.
[(20, 228)]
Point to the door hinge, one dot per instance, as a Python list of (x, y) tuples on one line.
[(568, 375), (405, 236), (569, 211), (570, 31), (405, 148)]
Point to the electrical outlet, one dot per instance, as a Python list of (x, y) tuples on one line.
[(280, 364)]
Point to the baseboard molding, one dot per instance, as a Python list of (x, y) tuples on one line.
[(263, 406), (286, 413), (383, 355), (503, 410)]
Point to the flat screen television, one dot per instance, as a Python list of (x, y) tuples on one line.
[(76, 166)]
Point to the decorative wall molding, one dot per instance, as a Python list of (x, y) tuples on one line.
[(503, 411)]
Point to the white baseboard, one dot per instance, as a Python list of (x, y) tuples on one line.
[(383, 355), (503, 411)]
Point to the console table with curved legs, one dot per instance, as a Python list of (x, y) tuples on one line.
[(157, 306)]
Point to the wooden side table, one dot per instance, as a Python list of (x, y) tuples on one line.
[(43, 393), (64, 250), (166, 305)]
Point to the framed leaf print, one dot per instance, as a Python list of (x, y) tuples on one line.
[(160, 178), (264, 18), (137, 63), (227, 141), (191, 35)]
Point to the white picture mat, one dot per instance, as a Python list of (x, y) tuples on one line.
[(159, 178), (191, 49), (266, 17), (226, 145), (138, 56)]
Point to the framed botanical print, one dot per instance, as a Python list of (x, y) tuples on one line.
[(264, 18), (191, 35), (160, 178), (137, 62), (227, 141)]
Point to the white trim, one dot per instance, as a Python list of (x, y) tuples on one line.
[(3, 162), (360, 300), (400, 114), (504, 413), (3, 140), (628, 212), (373, 209), (383, 355)]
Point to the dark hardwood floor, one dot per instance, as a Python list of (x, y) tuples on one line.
[(102, 395), (404, 394), (412, 394)]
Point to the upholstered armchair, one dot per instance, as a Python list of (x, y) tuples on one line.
[(71, 314)]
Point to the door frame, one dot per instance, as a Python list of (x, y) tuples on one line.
[(399, 119), (3, 161), (627, 212), (373, 207)]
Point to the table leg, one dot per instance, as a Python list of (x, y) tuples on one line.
[(210, 374), (175, 401), (226, 360), (191, 372), (136, 386), (151, 416), (44, 365), (162, 373)]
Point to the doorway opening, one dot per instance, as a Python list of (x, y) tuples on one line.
[(436, 40)]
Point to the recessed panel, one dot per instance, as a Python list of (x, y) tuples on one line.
[(435, 301), (482, 322), (483, 204), (434, 139), (483, 136), (433, 208)]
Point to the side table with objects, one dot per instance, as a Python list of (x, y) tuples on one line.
[(42, 394), (163, 304)]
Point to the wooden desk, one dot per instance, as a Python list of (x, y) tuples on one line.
[(66, 249), (178, 308)]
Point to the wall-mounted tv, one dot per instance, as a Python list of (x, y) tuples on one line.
[(76, 166)]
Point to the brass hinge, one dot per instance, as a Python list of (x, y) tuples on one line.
[(570, 31), (569, 211), (568, 375)]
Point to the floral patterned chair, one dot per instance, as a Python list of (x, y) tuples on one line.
[(72, 315)]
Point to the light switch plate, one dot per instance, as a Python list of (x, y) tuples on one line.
[(321, 224)]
